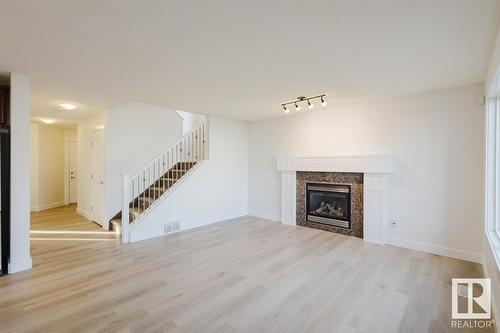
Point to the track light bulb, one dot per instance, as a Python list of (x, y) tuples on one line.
[(297, 107), (323, 102), (286, 109), (309, 104)]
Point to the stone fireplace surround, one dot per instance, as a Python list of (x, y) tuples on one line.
[(375, 170)]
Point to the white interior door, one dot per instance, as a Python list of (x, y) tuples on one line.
[(97, 177), (72, 172)]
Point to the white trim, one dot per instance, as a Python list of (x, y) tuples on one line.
[(489, 273), (375, 168), (66, 169), (125, 209), (265, 216), (84, 214), (381, 164), (20, 177), (48, 206), (435, 249), (492, 170), (289, 197), (494, 246), (137, 221), (20, 264), (375, 208)]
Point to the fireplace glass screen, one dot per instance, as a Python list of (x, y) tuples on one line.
[(329, 204)]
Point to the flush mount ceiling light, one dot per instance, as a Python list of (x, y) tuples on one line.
[(47, 121), (302, 99), (67, 106)]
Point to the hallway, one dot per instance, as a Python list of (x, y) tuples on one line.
[(64, 223)]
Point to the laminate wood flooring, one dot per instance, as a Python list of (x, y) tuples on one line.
[(241, 275)]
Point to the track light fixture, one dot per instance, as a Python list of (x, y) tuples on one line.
[(297, 107), (302, 99), (309, 104)]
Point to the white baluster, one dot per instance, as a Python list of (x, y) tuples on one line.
[(125, 208)]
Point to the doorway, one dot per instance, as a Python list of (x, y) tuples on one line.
[(72, 172), (97, 178)]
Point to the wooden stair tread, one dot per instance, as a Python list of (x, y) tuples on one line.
[(165, 182), (116, 222), (154, 188), (146, 199)]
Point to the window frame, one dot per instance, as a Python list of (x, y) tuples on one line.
[(492, 169)]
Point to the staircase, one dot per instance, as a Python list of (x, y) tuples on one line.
[(152, 184)]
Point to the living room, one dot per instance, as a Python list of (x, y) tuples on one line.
[(252, 166)]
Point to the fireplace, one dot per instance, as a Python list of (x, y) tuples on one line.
[(365, 174), (342, 191), (329, 204)]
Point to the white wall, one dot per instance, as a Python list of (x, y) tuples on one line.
[(34, 202), (190, 121), (136, 134), (86, 128), (494, 65), (214, 192), (20, 99), (436, 140), (47, 166)]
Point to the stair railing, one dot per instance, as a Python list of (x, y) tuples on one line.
[(191, 148)]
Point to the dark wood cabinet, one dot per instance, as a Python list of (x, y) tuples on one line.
[(4, 105)]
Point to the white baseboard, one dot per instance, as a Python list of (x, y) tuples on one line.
[(84, 213), (48, 206), (265, 216), (435, 249), (409, 244), (20, 264), (182, 227)]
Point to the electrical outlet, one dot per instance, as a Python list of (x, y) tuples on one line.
[(394, 223)]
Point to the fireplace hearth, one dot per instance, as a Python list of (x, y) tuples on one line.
[(329, 204)]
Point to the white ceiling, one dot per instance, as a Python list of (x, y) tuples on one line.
[(241, 58)]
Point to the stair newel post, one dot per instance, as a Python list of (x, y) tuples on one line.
[(125, 208)]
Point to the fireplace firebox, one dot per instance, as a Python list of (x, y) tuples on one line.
[(329, 204)]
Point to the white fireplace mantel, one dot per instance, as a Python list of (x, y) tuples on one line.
[(375, 169)]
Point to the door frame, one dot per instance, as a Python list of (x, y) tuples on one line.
[(5, 196), (101, 220), (66, 170), (5, 174)]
